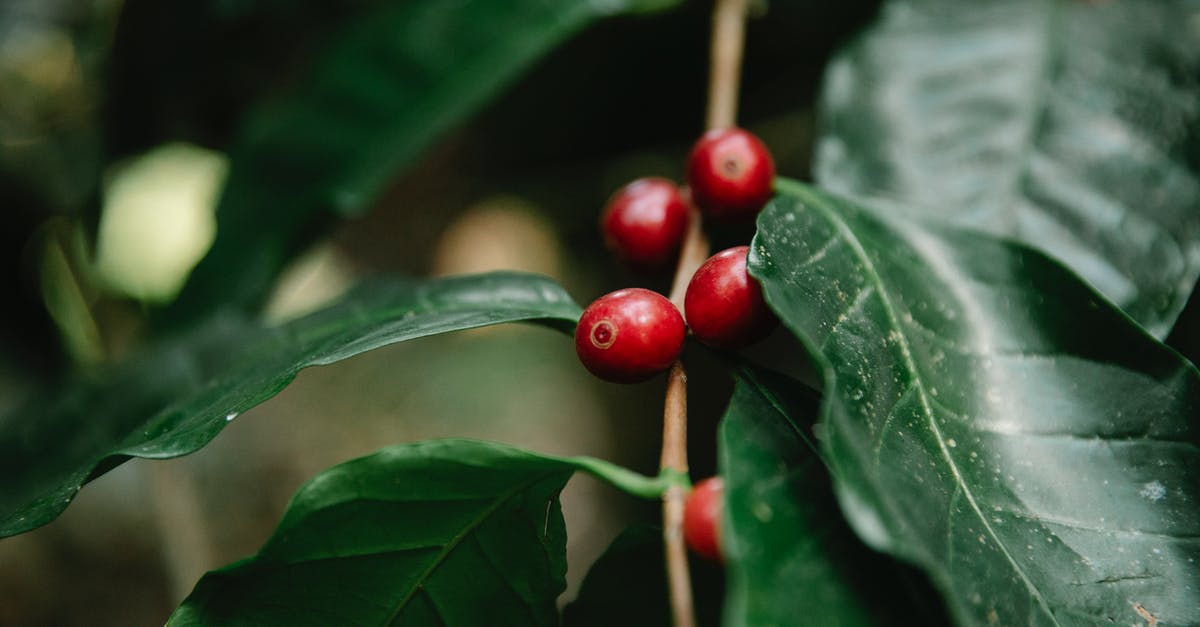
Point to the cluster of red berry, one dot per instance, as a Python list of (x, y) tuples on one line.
[(633, 334)]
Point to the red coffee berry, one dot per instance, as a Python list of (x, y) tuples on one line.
[(645, 221), (724, 305), (629, 335), (731, 173), (702, 518)]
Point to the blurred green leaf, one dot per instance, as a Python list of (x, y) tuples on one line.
[(627, 586), (174, 398), (990, 418), (775, 534), (788, 551), (447, 532), (1071, 126), (392, 80)]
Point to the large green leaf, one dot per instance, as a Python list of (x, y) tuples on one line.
[(433, 533), (1071, 126), (389, 83), (990, 418), (788, 552), (176, 397)]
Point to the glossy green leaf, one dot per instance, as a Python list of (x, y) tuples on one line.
[(990, 418), (390, 82), (446, 533), (775, 534), (788, 551), (1071, 126), (175, 398)]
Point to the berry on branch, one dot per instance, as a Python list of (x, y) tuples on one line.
[(629, 335), (702, 518), (645, 221), (730, 173), (724, 305)]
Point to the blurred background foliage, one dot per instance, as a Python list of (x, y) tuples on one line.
[(152, 98)]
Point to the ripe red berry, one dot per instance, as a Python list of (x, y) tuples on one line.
[(645, 221), (702, 518), (724, 304), (629, 335), (731, 173)]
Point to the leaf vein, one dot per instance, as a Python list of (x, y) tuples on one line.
[(491, 562), (906, 352), (852, 311), (1082, 526), (467, 529)]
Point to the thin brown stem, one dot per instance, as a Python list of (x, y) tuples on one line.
[(693, 253), (674, 447), (728, 39), (674, 458)]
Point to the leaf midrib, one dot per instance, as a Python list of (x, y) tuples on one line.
[(457, 540), (910, 365), (775, 404)]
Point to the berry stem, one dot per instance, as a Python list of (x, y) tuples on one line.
[(627, 480), (674, 458), (728, 38), (692, 254)]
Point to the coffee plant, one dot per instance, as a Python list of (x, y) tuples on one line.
[(976, 258)]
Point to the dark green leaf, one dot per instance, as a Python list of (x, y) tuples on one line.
[(990, 418), (627, 586), (1072, 126), (391, 82), (788, 552), (433, 533), (174, 399)]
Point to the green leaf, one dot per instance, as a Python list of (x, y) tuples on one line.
[(390, 82), (990, 418), (433, 533), (175, 398), (1071, 126), (627, 586), (782, 532), (775, 534)]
